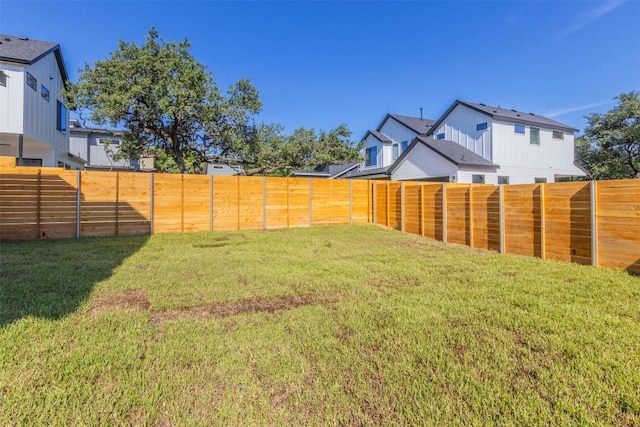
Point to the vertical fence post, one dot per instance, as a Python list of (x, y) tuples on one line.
[(374, 204), (264, 203), (39, 203), (310, 202), (151, 200), (501, 216), (444, 212), (594, 222), (350, 201), (543, 232), (117, 201), (402, 207), (210, 202), (78, 201), (470, 204), (422, 210)]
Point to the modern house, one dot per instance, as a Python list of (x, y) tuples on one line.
[(34, 118), (473, 143), (97, 147)]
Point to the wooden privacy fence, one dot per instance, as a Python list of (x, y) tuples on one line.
[(47, 203), (595, 223)]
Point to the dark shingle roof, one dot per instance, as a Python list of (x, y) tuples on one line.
[(23, 50), (381, 137), (327, 171), (368, 172), (416, 124), (511, 116)]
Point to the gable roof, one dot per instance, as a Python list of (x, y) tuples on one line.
[(450, 150), (507, 115), (379, 136), (23, 50), (416, 124), (370, 172)]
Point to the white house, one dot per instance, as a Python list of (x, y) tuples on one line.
[(97, 147), (34, 118), (526, 147)]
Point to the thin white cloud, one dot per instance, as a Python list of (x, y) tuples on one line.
[(562, 111), (591, 15)]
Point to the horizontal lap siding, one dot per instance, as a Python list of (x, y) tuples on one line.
[(618, 220)]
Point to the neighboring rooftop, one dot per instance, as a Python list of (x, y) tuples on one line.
[(370, 172), (24, 50), (508, 115), (327, 171), (416, 124)]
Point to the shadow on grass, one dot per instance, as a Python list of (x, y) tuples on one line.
[(52, 278)]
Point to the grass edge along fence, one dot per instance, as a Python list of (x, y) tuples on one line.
[(53, 203), (593, 223), (596, 223)]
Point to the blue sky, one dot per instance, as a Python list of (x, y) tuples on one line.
[(320, 64)]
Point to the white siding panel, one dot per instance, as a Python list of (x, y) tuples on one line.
[(421, 163), (466, 176), (12, 99), (460, 126), (397, 131)]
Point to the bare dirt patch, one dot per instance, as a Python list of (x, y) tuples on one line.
[(108, 302), (233, 308)]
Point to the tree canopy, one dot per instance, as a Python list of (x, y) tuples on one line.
[(168, 104), (610, 146)]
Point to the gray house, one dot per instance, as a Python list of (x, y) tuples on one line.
[(97, 147)]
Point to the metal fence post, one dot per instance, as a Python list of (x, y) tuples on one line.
[(594, 222)]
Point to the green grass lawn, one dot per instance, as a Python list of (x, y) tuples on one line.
[(324, 326)]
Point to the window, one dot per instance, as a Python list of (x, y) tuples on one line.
[(477, 179), (404, 145), (558, 134), (440, 136), (503, 180), (29, 162), (32, 82), (481, 126), (371, 155), (61, 122), (44, 92), (518, 129), (108, 141), (534, 136), (540, 180), (394, 151)]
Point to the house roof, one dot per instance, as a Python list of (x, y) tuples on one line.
[(327, 171), (370, 172), (507, 115), (23, 50), (450, 150), (379, 136), (416, 124)]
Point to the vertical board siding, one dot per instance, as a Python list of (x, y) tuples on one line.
[(618, 223)]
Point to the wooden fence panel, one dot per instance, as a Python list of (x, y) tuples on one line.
[(340, 201), (98, 205), (58, 195), (168, 213), (522, 227), (196, 205), (394, 207), (298, 201), (277, 203), (432, 215), (485, 210), (134, 203), (226, 209), (618, 222), (361, 202), (321, 198), (412, 208), (19, 205), (380, 202), (251, 203), (567, 222), (458, 214)]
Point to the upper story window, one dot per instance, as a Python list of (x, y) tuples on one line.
[(404, 145), (44, 92), (371, 154), (503, 180), (540, 180), (32, 82), (558, 134), (481, 126), (111, 141), (440, 136), (394, 151), (61, 120), (534, 136), (518, 129)]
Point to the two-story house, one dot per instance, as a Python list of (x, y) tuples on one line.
[(34, 118), (97, 147), (519, 148)]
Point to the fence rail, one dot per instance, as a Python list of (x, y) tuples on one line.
[(595, 223)]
